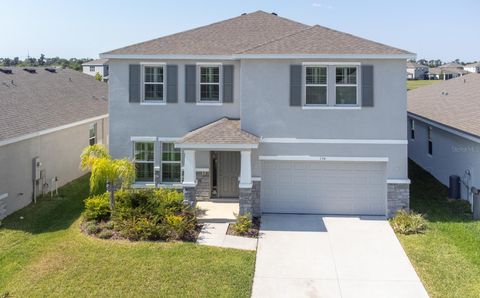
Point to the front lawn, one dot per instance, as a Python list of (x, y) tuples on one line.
[(46, 254), (414, 84), (447, 256)]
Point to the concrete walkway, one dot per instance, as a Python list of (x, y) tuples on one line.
[(215, 217), (322, 256)]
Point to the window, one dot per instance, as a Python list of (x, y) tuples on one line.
[(315, 85), (430, 143), (92, 68), (346, 85), (171, 163), (412, 129), (153, 83), (92, 138), (144, 160), (209, 83)]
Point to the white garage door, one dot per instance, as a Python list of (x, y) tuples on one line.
[(324, 187)]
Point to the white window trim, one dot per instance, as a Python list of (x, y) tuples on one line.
[(220, 85), (429, 140), (169, 140), (146, 162), (305, 85), (412, 129), (92, 125), (357, 85), (142, 85)]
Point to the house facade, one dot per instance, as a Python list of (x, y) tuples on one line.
[(416, 71), (93, 67), (473, 67), (444, 131), (251, 108), (48, 117)]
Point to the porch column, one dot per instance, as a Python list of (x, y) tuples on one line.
[(189, 178), (245, 186)]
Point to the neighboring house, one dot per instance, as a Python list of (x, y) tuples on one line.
[(96, 66), (444, 130), (48, 116), (284, 116), (445, 73), (416, 71), (473, 67)]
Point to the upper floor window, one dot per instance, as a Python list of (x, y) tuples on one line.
[(210, 83), (346, 85), (171, 163), (315, 85), (412, 129), (430, 142), (144, 155), (92, 138), (92, 68), (153, 84)]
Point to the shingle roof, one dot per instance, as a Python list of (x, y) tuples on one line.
[(31, 102), (451, 65), (258, 33), (96, 62), (411, 64), (476, 64), (454, 103), (223, 131)]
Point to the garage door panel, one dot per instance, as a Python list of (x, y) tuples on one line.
[(323, 187)]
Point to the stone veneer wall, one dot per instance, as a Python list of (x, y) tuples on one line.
[(189, 195), (203, 186), (249, 199), (398, 197), (3, 207)]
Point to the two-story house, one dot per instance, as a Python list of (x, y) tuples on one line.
[(286, 117)]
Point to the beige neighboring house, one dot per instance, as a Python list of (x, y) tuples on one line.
[(447, 71), (416, 71), (96, 66), (48, 116), (473, 67)]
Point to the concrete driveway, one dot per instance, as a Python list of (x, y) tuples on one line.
[(332, 256)]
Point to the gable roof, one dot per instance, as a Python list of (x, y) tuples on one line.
[(96, 62), (454, 103), (221, 132), (32, 102), (451, 65), (257, 33), (411, 64)]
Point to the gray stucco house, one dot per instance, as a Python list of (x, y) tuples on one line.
[(48, 115), (444, 130), (286, 117)]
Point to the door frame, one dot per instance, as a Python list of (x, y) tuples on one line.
[(216, 168)]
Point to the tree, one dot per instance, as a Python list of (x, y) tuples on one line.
[(41, 60), (115, 173), (98, 77)]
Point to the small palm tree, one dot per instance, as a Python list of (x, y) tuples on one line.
[(106, 171)]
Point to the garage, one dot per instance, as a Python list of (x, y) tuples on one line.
[(324, 187)]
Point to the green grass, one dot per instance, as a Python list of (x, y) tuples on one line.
[(413, 84), (45, 254), (447, 256)]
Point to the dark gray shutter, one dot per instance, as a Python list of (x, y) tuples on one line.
[(367, 85), (228, 83), (190, 83), (134, 83), (295, 85), (172, 83)]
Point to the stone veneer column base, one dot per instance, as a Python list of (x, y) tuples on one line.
[(189, 195), (249, 200), (203, 186), (398, 197), (3, 207)]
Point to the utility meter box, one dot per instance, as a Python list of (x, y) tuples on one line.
[(36, 168)]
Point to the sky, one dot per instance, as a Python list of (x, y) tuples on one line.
[(434, 29)]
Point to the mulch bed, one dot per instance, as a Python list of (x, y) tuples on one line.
[(252, 232)]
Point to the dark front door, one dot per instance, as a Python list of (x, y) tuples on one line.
[(228, 171)]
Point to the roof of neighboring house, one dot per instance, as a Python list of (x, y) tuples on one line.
[(222, 131), (411, 64), (32, 102), (434, 70), (453, 70), (451, 65), (96, 62), (258, 33), (454, 103), (476, 64)]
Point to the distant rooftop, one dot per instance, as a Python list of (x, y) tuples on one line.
[(96, 62), (33, 99)]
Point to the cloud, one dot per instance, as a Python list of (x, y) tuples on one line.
[(316, 4)]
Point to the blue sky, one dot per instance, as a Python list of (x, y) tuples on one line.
[(433, 29)]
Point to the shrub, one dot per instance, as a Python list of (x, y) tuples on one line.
[(406, 222), (92, 227), (140, 229), (105, 234), (244, 224), (97, 207)]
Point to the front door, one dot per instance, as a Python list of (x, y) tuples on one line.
[(228, 171)]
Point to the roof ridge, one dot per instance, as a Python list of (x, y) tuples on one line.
[(276, 39), (203, 27), (198, 130)]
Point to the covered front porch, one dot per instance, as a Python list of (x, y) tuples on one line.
[(218, 165)]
